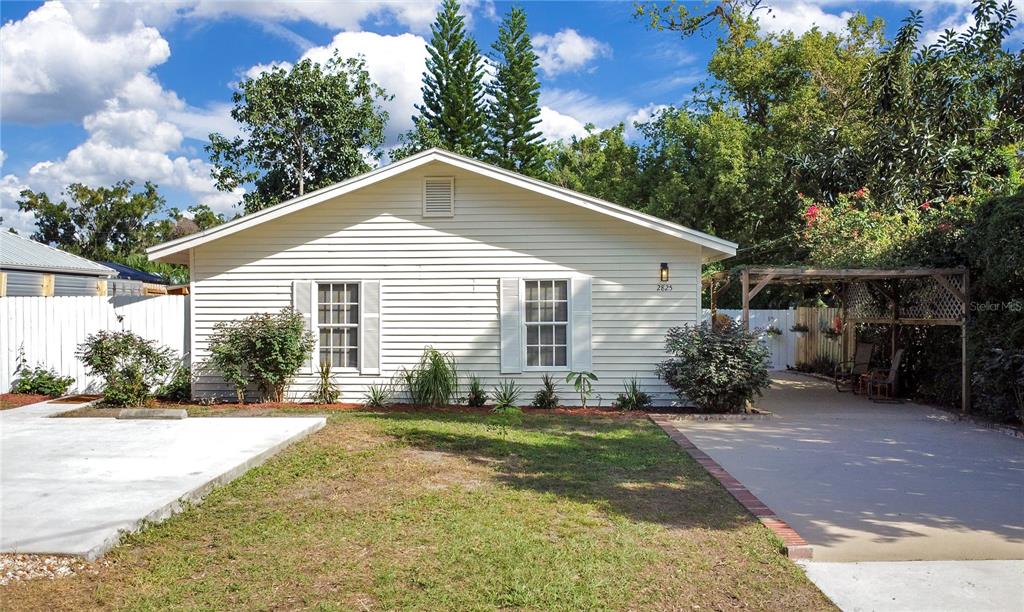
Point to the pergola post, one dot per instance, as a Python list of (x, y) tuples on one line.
[(965, 367), (745, 280)]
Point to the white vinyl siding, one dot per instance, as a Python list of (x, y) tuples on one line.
[(442, 280)]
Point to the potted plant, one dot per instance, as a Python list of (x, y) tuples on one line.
[(799, 329), (772, 331)]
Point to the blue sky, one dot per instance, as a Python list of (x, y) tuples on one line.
[(96, 92)]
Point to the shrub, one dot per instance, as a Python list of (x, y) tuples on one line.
[(130, 365), (326, 392), (633, 398), (998, 379), (477, 396), (434, 381), (265, 349), (41, 381), (583, 383), (718, 370), (506, 395), (547, 397), (378, 397), (179, 387)]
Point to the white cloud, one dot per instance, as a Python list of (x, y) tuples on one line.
[(3, 158), (800, 17), (567, 51), (396, 63), (558, 126), (599, 111), (54, 71)]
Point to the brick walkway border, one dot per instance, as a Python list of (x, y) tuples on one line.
[(794, 546)]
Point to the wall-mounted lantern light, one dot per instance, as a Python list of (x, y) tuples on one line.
[(664, 272)]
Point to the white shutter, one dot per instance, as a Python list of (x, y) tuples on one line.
[(439, 196), (369, 329), (302, 303), (582, 355), (511, 327)]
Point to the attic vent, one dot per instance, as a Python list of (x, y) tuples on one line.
[(439, 196)]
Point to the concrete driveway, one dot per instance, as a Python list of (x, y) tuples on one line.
[(866, 482), (75, 485)]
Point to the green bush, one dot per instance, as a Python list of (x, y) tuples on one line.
[(999, 383), (506, 396), (717, 370), (477, 395), (633, 397), (547, 397), (262, 349), (434, 381), (130, 365), (179, 387), (41, 381)]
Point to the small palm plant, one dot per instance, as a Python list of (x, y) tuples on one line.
[(633, 397), (378, 397), (547, 397), (477, 395), (326, 391), (506, 396), (583, 382)]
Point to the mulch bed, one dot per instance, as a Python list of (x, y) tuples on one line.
[(16, 400), (351, 406)]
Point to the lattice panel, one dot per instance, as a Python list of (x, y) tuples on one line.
[(866, 302), (925, 298)]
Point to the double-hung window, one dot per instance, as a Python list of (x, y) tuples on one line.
[(547, 323), (338, 323)]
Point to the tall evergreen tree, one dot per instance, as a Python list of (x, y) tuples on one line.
[(514, 110), (453, 91)]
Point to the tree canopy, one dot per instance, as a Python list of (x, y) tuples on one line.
[(303, 128)]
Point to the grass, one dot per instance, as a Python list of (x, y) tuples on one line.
[(448, 510)]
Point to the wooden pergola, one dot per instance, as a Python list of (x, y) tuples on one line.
[(907, 296)]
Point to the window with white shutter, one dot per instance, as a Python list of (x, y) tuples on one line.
[(439, 196)]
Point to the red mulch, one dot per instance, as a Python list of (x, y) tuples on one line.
[(345, 406), (14, 400)]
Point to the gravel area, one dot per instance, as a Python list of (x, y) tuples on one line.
[(14, 567)]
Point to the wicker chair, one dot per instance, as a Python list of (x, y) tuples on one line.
[(848, 374), (882, 384)]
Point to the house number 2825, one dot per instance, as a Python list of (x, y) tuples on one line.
[(664, 287)]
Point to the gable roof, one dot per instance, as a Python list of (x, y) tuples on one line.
[(20, 253), (176, 250)]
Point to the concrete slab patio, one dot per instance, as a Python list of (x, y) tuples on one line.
[(876, 487), (75, 485)]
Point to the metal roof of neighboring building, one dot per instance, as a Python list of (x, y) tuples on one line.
[(20, 253), (129, 273)]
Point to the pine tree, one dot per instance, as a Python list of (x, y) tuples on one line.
[(453, 92), (514, 110)]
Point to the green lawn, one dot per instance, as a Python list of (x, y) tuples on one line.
[(453, 511)]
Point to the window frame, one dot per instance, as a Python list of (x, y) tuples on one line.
[(315, 316), (568, 324)]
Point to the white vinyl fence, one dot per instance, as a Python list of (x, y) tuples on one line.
[(783, 348), (49, 329)]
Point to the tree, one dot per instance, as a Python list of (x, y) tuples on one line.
[(514, 110), (453, 92), (304, 128), (101, 223), (601, 164)]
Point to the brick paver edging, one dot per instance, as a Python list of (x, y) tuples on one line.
[(794, 546)]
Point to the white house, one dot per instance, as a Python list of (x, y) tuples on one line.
[(514, 276)]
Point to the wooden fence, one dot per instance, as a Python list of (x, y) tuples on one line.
[(815, 344), (49, 329)]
